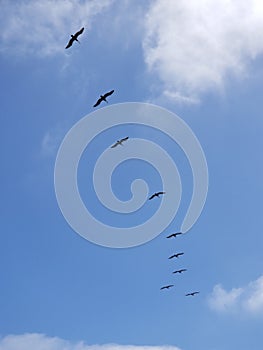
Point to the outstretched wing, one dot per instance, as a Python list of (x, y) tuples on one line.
[(98, 102), (152, 196), (125, 139), (172, 235), (115, 145), (108, 93), (69, 43), (79, 32), (160, 193)]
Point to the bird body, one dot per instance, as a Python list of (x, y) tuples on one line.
[(192, 294), (174, 235), (103, 98), (74, 37), (175, 255), (180, 271), (156, 194), (167, 287), (119, 142)]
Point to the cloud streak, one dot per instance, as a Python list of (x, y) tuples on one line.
[(248, 299), (193, 46), (43, 28), (33, 341)]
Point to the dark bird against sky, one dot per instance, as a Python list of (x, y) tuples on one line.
[(175, 255), (192, 294), (74, 38), (167, 287), (103, 98), (156, 194), (174, 234), (119, 142), (180, 271)]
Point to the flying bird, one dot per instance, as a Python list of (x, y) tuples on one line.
[(175, 255), (74, 38), (174, 234), (119, 142), (180, 271), (156, 194), (103, 98), (167, 287), (192, 294)]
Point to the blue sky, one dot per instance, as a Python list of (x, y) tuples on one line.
[(202, 61)]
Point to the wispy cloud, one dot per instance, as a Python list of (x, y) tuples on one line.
[(193, 46), (247, 299), (43, 27), (33, 341), (51, 140)]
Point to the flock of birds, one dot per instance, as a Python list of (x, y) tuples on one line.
[(177, 255), (74, 37)]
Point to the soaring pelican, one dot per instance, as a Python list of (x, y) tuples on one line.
[(192, 294), (174, 234), (119, 142), (103, 98), (180, 271), (175, 255), (167, 287), (74, 38), (156, 194)]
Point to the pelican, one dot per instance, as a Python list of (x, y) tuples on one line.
[(192, 294), (180, 271), (174, 234), (74, 38), (103, 98), (119, 142), (167, 287), (156, 194), (175, 255)]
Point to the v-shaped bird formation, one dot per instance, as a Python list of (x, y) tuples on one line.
[(103, 98)]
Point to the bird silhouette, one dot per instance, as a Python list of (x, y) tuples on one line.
[(175, 255), (180, 271), (119, 142), (103, 98), (192, 294), (174, 235), (74, 38), (156, 194), (167, 287)]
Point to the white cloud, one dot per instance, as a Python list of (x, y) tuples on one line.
[(33, 341), (221, 300), (44, 27), (194, 46), (254, 299), (247, 299)]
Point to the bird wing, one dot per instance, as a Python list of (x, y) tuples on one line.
[(69, 43), (152, 196), (79, 32), (125, 139), (98, 102), (108, 93), (172, 256), (161, 193), (172, 235), (115, 145)]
